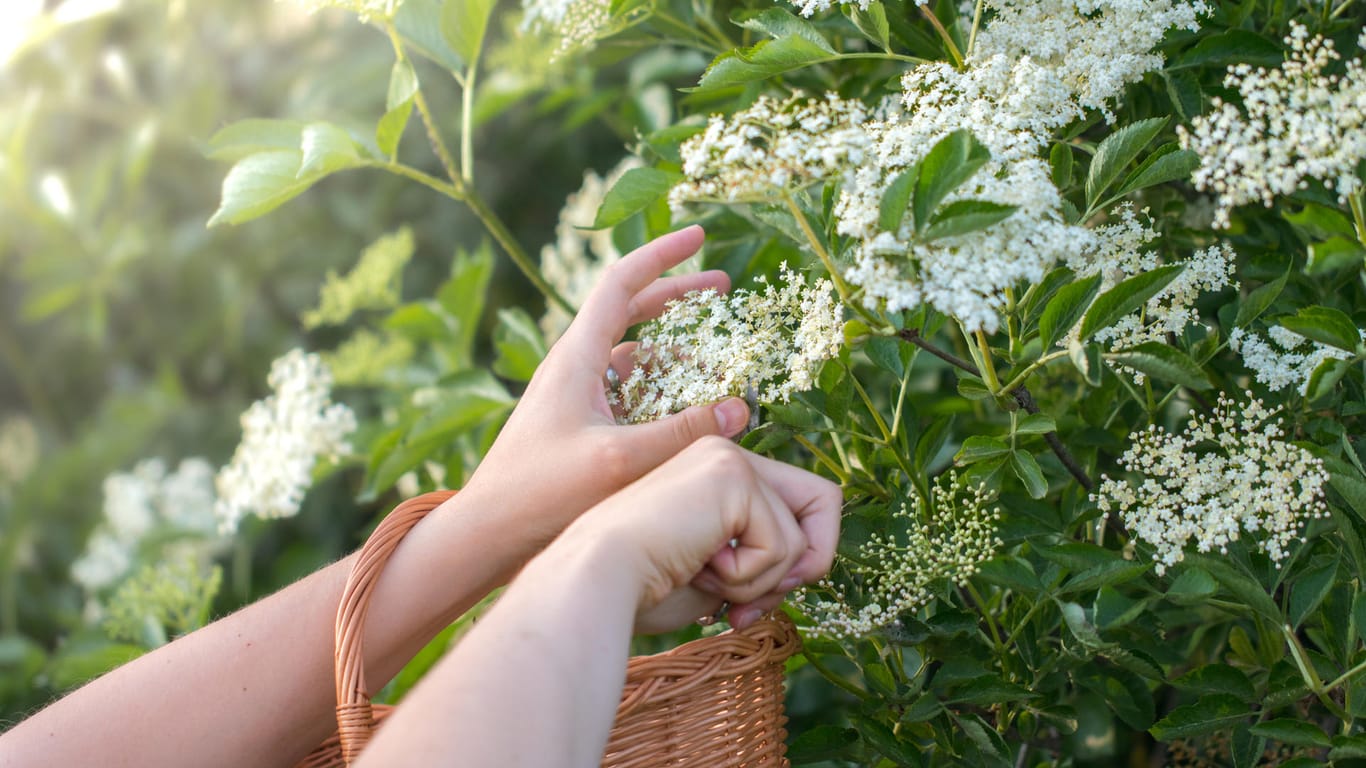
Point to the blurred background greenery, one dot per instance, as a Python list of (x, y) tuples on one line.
[(129, 330)]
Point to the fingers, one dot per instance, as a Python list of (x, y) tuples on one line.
[(655, 442), (605, 315), (766, 549), (815, 503), (651, 300)]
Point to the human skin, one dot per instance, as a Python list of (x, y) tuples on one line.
[(535, 684), (255, 688)]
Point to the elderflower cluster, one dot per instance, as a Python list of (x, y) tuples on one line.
[(946, 540), (707, 346), (282, 438), (1117, 253), (1290, 361), (575, 261), (772, 146), (1229, 473), (1037, 66), (1297, 123), (574, 24), (162, 601), (146, 505), (372, 284)]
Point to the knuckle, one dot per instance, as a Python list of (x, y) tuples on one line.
[(615, 462)]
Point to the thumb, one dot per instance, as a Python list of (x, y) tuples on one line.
[(657, 441)]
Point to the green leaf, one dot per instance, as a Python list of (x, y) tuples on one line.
[(1065, 309), (635, 191), (881, 738), (1011, 572), (1240, 585), (463, 24), (519, 345), (979, 448), (872, 22), (1126, 297), (398, 105), (77, 665), (1213, 712), (1060, 162), (1113, 609), (1192, 587), (1162, 361), (1036, 424), (259, 184), (896, 200), (327, 148), (1027, 469), (1319, 222), (1104, 575), (1087, 360), (950, 162), (1218, 678), (419, 23), (1299, 733), (249, 137), (467, 399), (1259, 300), (965, 216), (1234, 46), (1116, 152), (780, 22), (1310, 588), (1347, 748), (463, 297), (1159, 169), (1325, 325), (824, 742), (761, 61), (1334, 254)]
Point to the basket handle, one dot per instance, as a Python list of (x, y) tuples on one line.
[(355, 716)]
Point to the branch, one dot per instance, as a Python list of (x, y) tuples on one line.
[(1021, 395)]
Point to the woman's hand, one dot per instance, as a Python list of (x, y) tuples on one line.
[(562, 451), (676, 527)]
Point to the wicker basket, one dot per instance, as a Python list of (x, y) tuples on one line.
[(716, 702)]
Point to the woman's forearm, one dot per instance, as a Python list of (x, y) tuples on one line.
[(537, 682), (256, 688)]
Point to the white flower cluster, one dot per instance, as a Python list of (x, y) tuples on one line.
[(372, 284), (947, 540), (140, 506), (1290, 362), (1297, 123), (282, 438), (1117, 253), (575, 261), (707, 346), (772, 146), (1037, 67), (575, 24), (1227, 474)]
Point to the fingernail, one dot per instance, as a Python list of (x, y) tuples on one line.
[(789, 584), (731, 415), (742, 619)]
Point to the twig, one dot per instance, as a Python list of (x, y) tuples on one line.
[(1021, 395)]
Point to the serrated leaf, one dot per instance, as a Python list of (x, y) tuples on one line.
[(1065, 308), (1218, 678), (518, 344), (1234, 46), (327, 148), (1087, 360), (463, 25), (979, 448), (1104, 575), (1160, 169), (1011, 572), (1347, 748), (419, 24), (249, 137), (1333, 254), (1126, 297), (1310, 588), (1060, 163), (778, 23), (1162, 361), (872, 22), (1192, 587), (1213, 712), (761, 61), (1116, 152), (1325, 325), (896, 200), (1299, 733), (403, 86), (1025, 467), (824, 742), (1259, 300), (635, 191), (260, 183), (950, 162), (966, 216), (881, 738), (1036, 424), (1240, 585)]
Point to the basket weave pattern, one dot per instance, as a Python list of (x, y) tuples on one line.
[(716, 702)]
